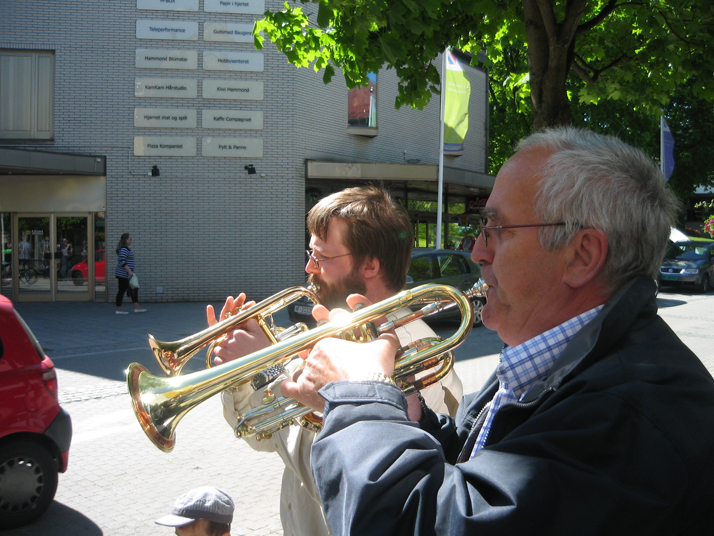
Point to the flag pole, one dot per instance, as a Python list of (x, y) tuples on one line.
[(440, 195), (661, 143)]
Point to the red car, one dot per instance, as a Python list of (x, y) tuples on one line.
[(35, 432), (80, 271)]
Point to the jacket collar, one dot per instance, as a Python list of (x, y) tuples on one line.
[(633, 300)]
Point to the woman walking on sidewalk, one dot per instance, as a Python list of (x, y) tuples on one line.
[(123, 272)]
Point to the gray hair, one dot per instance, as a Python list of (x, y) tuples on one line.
[(599, 182)]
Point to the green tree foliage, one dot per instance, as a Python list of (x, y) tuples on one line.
[(690, 118), (635, 51)]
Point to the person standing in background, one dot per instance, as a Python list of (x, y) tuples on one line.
[(123, 273)]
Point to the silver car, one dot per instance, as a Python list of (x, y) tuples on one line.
[(446, 267)]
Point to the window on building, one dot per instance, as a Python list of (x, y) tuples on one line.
[(27, 89), (362, 107)]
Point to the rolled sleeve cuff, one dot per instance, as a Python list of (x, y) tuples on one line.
[(347, 393)]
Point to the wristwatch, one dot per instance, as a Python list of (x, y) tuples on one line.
[(378, 377)]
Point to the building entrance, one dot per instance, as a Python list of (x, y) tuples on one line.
[(53, 257)]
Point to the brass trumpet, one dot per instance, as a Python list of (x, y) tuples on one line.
[(173, 355), (160, 403)]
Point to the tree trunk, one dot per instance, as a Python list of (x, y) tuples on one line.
[(550, 53)]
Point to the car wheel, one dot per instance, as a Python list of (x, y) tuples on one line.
[(477, 306), (78, 278), (704, 287), (28, 482)]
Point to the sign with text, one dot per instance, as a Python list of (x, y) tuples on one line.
[(152, 58), (168, 5), (233, 89), (235, 119), (228, 32), (220, 60), (164, 118), (172, 30), (233, 147), (246, 7), (177, 88), (164, 146)]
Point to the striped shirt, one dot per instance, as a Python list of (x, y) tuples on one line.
[(126, 258), (522, 366)]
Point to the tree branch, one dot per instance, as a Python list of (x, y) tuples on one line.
[(597, 19), (580, 65), (674, 32)]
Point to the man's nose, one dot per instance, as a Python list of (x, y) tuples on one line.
[(310, 267), (480, 253)]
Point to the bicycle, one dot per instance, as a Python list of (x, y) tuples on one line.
[(28, 275)]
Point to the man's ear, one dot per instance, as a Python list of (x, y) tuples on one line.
[(370, 267), (585, 257)]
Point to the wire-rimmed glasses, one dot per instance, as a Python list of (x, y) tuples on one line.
[(485, 230), (316, 262)]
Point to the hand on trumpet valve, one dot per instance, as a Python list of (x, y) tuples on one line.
[(231, 307), (238, 342), (334, 359)]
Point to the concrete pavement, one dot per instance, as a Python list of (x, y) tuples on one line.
[(118, 482)]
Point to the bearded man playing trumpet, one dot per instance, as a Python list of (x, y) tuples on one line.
[(361, 242)]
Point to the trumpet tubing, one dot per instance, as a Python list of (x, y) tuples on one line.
[(173, 355), (160, 403)]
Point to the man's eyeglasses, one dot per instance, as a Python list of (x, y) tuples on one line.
[(486, 230), (316, 262)]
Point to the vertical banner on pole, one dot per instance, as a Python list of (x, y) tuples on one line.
[(666, 149), (456, 106)]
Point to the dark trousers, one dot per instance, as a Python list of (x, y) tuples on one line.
[(132, 293)]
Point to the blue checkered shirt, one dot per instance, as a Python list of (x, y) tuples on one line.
[(523, 365)]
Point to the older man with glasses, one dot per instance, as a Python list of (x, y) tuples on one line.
[(598, 419), (361, 242)]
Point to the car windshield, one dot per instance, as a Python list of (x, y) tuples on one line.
[(687, 252)]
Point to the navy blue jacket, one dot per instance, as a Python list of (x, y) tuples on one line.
[(619, 439)]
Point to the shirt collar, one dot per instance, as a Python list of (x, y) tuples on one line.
[(523, 365)]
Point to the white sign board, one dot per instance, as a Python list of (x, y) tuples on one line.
[(233, 147), (177, 88), (232, 119), (152, 58), (233, 89), (172, 30), (168, 5), (221, 60), (164, 146), (246, 7), (228, 32), (164, 118)]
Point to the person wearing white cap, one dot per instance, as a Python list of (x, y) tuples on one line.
[(203, 511)]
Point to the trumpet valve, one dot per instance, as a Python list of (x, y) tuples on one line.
[(268, 396)]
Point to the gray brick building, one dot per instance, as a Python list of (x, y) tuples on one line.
[(96, 95)]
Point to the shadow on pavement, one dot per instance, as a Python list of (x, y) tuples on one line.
[(58, 520), (662, 303)]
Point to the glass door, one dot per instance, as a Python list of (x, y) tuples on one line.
[(53, 258), (74, 260), (6, 255), (33, 269)]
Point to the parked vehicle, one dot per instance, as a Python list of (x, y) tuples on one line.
[(80, 271), (35, 432), (688, 264), (441, 266)]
